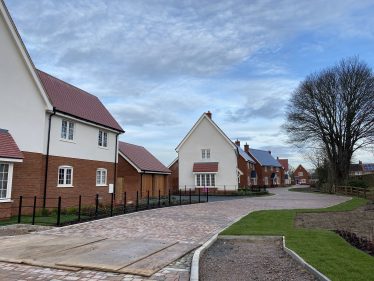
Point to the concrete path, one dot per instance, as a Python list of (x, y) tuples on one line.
[(189, 224)]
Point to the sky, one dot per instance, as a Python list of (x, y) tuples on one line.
[(157, 65)]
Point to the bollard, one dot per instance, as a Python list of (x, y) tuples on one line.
[(79, 207), (97, 206), (33, 211), (59, 211), (20, 209)]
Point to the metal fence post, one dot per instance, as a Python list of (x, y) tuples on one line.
[(79, 207), (190, 197), (97, 206), (224, 189), (137, 201), (59, 211), (169, 198), (148, 199), (207, 194), (159, 198), (124, 203), (111, 204), (180, 197), (20, 209), (185, 190), (199, 194), (33, 211)]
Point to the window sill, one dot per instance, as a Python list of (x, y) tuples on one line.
[(65, 140), (101, 185), (103, 147), (60, 185), (6, 201)]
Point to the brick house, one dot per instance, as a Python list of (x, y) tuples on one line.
[(173, 178), (287, 176), (67, 138), (246, 166), (361, 169), (268, 171), (140, 171), (301, 175)]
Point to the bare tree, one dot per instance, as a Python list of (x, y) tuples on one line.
[(334, 109)]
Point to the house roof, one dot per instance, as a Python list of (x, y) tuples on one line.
[(245, 155), (141, 158), (8, 147), (356, 168), (205, 115), (264, 158), (202, 167), (368, 167), (284, 163), (73, 101)]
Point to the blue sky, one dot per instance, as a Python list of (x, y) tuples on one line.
[(158, 65)]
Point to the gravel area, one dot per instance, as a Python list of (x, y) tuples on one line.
[(359, 221), (20, 229), (250, 260)]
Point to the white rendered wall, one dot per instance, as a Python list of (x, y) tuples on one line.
[(207, 136), (22, 109), (85, 143)]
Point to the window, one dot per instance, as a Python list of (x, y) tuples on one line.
[(300, 174), (254, 181), (205, 153), (4, 180), (65, 176), (67, 130), (266, 180), (101, 177), (103, 139), (206, 180), (266, 168)]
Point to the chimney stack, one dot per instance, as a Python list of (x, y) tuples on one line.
[(277, 157), (209, 114), (269, 152), (360, 162), (237, 142), (246, 147)]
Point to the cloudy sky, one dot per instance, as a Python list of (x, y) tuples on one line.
[(158, 65)]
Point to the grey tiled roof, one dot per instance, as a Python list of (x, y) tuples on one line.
[(245, 155), (264, 157)]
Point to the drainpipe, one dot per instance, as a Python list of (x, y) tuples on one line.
[(115, 166), (47, 158)]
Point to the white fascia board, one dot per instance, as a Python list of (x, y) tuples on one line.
[(25, 55), (128, 160), (197, 124), (18, 160), (77, 119)]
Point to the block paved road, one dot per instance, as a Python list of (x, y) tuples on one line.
[(187, 224)]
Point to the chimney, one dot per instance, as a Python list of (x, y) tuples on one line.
[(269, 152), (209, 114), (246, 147), (277, 157), (360, 162), (237, 142)]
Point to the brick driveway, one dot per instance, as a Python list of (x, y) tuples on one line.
[(189, 224)]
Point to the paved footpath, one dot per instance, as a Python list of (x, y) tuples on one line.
[(187, 224)]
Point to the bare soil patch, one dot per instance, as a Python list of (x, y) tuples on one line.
[(249, 260)]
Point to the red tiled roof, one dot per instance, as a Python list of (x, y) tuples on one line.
[(284, 163), (142, 158), (210, 167), (69, 99), (8, 147)]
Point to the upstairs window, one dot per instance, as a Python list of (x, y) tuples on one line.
[(205, 153), (300, 174), (65, 176), (67, 130), (103, 139), (101, 177)]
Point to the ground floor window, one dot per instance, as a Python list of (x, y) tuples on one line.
[(303, 180), (4, 181), (254, 181), (65, 176), (266, 181), (205, 180), (101, 176)]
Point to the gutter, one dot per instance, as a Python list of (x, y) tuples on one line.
[(47, 158)]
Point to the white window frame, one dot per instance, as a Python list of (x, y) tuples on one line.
[(202, 179), (102, 139), (8, 195), (64, 184), (70, 128), (254, 181), (100, 182), (205, 153)]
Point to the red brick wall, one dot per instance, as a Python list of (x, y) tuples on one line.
[(243, 166), (174, 177), (305, 176), (131, 179)]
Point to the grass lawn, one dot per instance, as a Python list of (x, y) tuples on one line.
[(323, 249), (41, 220)]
